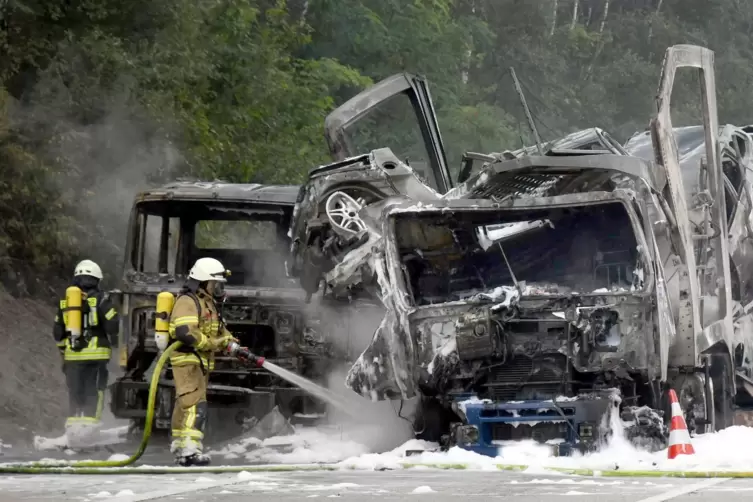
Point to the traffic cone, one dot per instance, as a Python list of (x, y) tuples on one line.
[(679, 438)]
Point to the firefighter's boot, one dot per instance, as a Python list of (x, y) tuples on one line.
[(81, 432), (188, 452)]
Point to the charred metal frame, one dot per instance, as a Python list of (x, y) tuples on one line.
[(138, 291), (695, 334)]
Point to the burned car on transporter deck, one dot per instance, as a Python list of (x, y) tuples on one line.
[(245, 227), (551, 288)]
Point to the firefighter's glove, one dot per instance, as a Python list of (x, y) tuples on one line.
[(162, 341), (220, 343), (245, 355)]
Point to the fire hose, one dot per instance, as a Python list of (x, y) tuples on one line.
[(112, 467)]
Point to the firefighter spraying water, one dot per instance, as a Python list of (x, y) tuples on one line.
[(195, 320)]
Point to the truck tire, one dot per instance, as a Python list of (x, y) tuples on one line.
[(431, 422), (724, 400)]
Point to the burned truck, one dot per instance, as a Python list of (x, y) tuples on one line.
[(548, 288), (245, 227)]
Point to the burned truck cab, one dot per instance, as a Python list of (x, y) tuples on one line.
[(521, 318), (245, 227)]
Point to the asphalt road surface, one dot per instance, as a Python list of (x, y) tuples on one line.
[(429, 485)]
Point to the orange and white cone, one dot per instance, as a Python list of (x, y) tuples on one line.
[(679, 438)]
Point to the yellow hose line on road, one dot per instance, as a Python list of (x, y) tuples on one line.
[(89, 469)]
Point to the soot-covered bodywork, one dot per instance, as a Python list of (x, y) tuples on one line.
[(524, 299), (245, 227), (544, 286)]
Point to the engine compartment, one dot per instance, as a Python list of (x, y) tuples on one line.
[(526, 304)]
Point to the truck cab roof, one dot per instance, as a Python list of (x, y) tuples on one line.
[(218, 190)]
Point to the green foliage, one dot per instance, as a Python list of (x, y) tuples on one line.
[(103, 98), (32, 210)]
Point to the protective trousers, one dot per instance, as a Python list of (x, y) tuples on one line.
[(87, 382), (190, 412)]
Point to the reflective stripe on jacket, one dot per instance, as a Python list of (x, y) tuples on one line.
[(199, 331), (101, 321)]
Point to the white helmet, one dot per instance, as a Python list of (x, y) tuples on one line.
[(208, 269), (88, 267)]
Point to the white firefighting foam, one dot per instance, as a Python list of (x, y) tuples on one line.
[(306, 446), (730, 449), (349, 448)]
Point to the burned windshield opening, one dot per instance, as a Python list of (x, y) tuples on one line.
[(455, 255), (249, 239)]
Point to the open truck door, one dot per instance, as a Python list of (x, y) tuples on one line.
[(396, 113), (705, 330), (703, 283)]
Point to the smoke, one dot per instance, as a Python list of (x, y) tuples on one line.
[(349, 326), (99, 148), (382, 425), (119, 156), (104, 147)]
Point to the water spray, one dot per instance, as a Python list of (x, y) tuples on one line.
[(312, 388)]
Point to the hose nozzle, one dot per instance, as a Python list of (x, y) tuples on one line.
[(242, 353)]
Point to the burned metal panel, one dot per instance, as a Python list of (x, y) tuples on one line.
[(694, 334), (361, 105), (542, 176), (594, 141), (385, 369), (656, 223)]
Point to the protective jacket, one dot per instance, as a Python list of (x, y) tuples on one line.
[(195, 322), (102, 321)]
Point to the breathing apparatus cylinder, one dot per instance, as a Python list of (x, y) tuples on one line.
[(73, 317), (165, 304)]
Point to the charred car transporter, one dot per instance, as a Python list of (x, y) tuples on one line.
[(556, 289)]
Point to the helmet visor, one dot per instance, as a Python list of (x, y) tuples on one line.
[(219, 291), (220, 276)]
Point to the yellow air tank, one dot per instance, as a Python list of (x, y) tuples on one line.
[(73, 314), (165, 303)]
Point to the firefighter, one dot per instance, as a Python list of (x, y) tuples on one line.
[(86, 330), (195, 322)]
